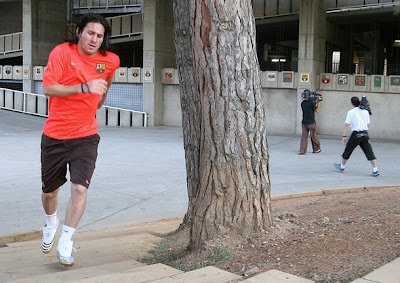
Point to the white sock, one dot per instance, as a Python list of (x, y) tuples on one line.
[(375, 169), (51, 220), (342, 166), (67, 232)]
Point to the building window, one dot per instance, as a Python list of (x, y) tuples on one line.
[(335, 61), (278, 47)]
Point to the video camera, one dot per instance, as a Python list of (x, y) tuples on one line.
[(308, 94), (364, 104)]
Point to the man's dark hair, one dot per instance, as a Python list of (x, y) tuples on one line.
[(355, 101), (92, 18)]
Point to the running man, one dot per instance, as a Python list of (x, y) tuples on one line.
[(78, 75)]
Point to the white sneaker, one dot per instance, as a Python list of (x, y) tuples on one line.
[(48, 237), (64, 251)]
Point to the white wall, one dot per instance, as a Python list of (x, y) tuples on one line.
[(280, 110), (281, 107), (172, 114), (384, 119)]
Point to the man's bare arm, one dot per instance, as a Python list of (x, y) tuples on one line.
[(95, 86), (317, 108), (344, 137), (61, 90)]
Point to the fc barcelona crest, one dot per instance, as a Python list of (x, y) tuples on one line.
[(100, 67)]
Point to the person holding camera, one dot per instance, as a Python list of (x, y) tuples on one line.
[(310, 105), (358, 119)]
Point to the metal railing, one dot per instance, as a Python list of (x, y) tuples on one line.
[(10, 43), (263, 9), (334, 5), (87, 4), (37, 104), (24, 102), (104, 7), (121, 27), (114, 116)]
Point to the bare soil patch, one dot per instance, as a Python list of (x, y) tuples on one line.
[(326, 238)]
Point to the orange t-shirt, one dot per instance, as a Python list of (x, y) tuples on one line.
[(75, 116)]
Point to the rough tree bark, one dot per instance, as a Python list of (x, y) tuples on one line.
[(223, 118)]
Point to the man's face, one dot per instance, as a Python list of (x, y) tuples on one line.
[(91, 39)]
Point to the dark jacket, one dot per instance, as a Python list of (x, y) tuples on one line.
[(308, 107)]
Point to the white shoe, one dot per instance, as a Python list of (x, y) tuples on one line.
[(48, 237), (64, 251)]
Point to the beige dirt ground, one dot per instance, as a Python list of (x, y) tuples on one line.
[(327, 238)]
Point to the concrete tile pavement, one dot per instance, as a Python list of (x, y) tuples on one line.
[(141, 176), (389, 273)]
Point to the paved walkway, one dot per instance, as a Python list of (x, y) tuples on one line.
[(140, 174)]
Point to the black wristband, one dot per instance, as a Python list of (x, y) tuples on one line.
[(344, 136), (82, 89)]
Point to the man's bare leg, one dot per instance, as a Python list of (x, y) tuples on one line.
[(76, 205), (75, 208), (50, 202)]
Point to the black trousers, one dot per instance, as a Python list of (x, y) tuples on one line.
[(361, 139)]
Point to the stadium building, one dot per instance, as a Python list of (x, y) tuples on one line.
[(338, 48)]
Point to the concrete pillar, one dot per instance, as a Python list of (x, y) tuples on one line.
[(312, 45), (158, 53), (41, 32)]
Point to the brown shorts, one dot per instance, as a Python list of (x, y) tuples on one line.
[(79, 154)]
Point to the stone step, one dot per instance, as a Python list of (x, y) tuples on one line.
[(205, 274), (276, 276), (17, 257), (155, 227), (68, 274), (146, 273), (24, 259), (79, 240), (110, 255)]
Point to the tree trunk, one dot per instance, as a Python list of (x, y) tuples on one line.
[(223, 118)]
